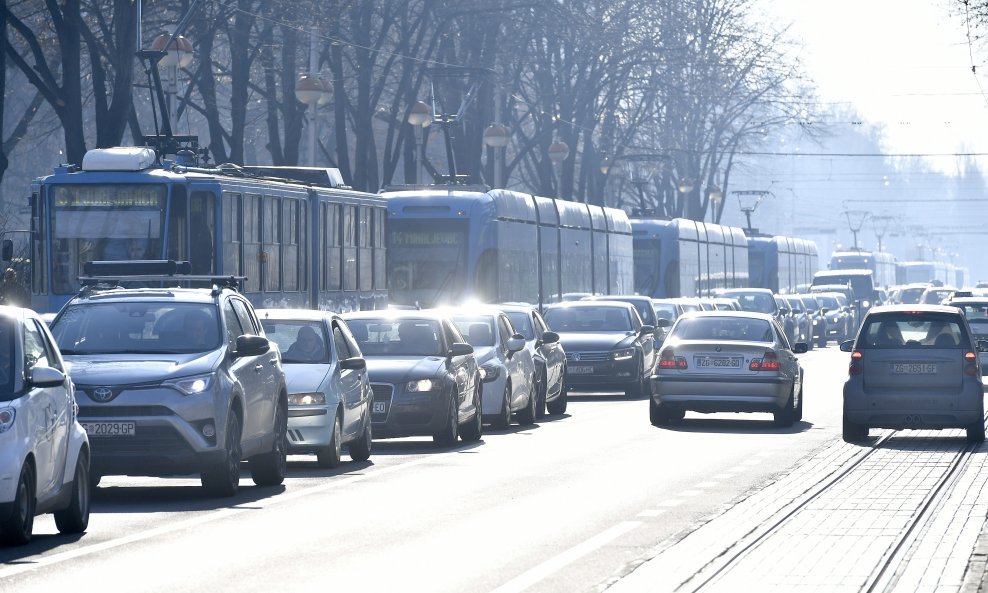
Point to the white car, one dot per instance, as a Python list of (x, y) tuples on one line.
[(44, 451), (506, 366), (548, 354), (329, 396)]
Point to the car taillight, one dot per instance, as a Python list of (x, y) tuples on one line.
[(971, 365), (669, 360), (768, 362), (855, 368)]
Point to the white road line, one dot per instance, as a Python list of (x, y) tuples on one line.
[(751, 462), (672, 502), (651, 512), (691, 493), (556, 563), (707, 485), (9, 571)]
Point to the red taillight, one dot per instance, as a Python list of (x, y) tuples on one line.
[(855, 368), (768, 362), (970, 356), (971, 367), (669, 360)]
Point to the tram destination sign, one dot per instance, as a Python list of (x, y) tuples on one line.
[(426, 238)]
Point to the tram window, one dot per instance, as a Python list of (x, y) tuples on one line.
[(365, 255), (289, 244), (271, 239), (380, 257), (232, 233), (39, 262), (177, 230), (303, 241), (349, 248), (252, 242), (331, 276), (202, 231)]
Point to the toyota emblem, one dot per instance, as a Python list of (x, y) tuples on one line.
[(102, 394)]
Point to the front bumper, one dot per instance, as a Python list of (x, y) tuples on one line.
[(309, 428), (717, 393), (409, 413), (614, 374)]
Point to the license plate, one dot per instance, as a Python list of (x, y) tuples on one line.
[(914, 368), (110, 429), (380, 407), (581, 370), (719, 362)]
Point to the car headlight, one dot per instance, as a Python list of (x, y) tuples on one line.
[(866, 304), (306, 399), (419, 385), (7, 416), (623, 354), (489, 372), (192, 385)]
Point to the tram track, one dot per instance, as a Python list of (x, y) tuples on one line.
[(885, 575)]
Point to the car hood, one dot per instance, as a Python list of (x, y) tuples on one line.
[(306, 378), (398, 369), (129, 369), (594, 341)]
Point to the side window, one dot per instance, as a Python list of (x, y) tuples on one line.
[(504, 328), (780, 335), (339, 341), (247, 320), (34, 347), (50, 350), (233, 328), (540, 326), (453, 335), (351, 341)]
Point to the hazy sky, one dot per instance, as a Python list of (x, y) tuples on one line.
[(904, 63)]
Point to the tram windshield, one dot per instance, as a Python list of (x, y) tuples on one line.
[(103, 222), (426, 261)]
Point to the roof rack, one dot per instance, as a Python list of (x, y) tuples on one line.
[(109, 274)]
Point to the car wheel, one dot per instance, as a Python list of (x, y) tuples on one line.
[(75, 518), (787, 415), (852, 432), (16, 529), (446, 437), (822, 343), (270, 469), (542, 389), (223, 479), (527, 415), (798, 412), (558, 405), (654, 412), (503, 419), (976, 432), (660, 415), (360, 449), (636, 389), (473, 430), (329, 456)]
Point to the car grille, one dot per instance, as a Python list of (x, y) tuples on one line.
[(382, 393), (123, 411), (587, 356)]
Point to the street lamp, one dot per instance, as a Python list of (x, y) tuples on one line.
[(716, 197), (419, 116), (313, 91), (558, 152), (605, 165), (685, 185), (178, 54), (497, 137)]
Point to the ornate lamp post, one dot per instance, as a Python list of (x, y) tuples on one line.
[(313, 92), (496, 137), (558, 152), (420, 116), (716, 197), (178, 55)]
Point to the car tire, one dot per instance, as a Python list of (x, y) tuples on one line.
[(526, 416), (542, 389), (270, 469), (329, 457), (660, 415), (976, 432), (798, 412), (786, 416), (75, 517), (822, 343), (223, 479), (636, 389), (503, 419), (448, 434), (16, 529), (558, 405), (473, 430), (360, 449), (655, 416), (852, 432)]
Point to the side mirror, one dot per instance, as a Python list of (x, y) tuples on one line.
[(662, 322), (249, 345), (353, 364), (550, 337), (646, 329), (847, 346), (7, 250), (785, 311), (460, 349), (982, 345), (800, 348), (515, 343), (824, 310), (42, 376)]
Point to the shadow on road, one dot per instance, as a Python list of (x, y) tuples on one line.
[(731, 426), (175, 498), (40, 544)]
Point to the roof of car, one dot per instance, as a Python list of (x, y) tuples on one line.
[(915, 307), (196, 295), (516, 308), (17, 312), (470, 310), (982, 300), (432, 314), (294, 314), (590, 304), (731, 291), (746, 314), (628, 298)]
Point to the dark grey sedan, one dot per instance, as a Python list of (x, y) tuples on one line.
[(423, 374)]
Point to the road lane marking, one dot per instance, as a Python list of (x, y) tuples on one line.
[(672, 502), (707, 485), (9, 571), (691, 493), (540, 572), (651, 512)]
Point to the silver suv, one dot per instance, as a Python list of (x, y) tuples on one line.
[(175, 381)]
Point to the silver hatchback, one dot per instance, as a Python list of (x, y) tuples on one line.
[(914, 367)]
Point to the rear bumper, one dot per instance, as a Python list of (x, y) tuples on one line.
[(710, 393), (915, 409)]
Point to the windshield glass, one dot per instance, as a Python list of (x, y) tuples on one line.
[(828, 301), (8, 364), (757, 302), (729, 329), (425, 258), (477, 329), (137, 328), (588, 319), (977, 317), (103, 222), (522, 323), (397, 337), (299, 341), (912, 330)]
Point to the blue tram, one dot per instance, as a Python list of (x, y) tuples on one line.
[(784, 265), (682, 257), (911, 272), (454, 244), (880, 262), (298, 235)]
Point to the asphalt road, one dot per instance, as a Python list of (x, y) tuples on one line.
[(568, 505)]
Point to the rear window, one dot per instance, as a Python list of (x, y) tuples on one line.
[(977, 317), (727, 329), (911, 296), (912, 330), (757, 302)]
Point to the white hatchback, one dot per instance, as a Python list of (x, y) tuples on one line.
[(44, 451)]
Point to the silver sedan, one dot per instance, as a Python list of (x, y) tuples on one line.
[(727, 361)]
